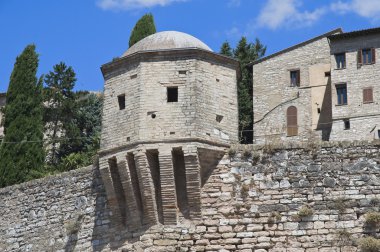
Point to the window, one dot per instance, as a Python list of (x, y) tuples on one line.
[(347, 125), (340, 60), (367, 95), (341, 91), (366, 56), (172, 94), (295, 78), (291, 121), (121, 100)]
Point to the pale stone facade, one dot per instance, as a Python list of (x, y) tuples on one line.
[(273, 93), (363, 117), (170, 110), (2, 104)]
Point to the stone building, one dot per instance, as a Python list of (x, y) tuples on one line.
[(355, 87), (170, 110), (2, 104), (291, 92)]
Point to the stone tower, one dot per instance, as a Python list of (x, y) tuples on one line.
[(170, 111)]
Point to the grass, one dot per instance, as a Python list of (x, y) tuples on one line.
[(369, 244), (372, 219), (305, 211)]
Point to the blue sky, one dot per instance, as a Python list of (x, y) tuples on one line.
[(88, 33)]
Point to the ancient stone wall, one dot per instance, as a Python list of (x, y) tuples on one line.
[(258, 198), (364, 117)]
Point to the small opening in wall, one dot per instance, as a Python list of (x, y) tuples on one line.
[(134, 76), (182, 72), (172, 133), (208, 134), (319, 110), (347, 124), (121, 101), (219, 118), (172, 94), (217, 80), (128, 139), (153, 116), (327, 74)]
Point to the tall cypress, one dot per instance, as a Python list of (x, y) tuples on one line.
[(143, 28), (245, 53), (21, 152)]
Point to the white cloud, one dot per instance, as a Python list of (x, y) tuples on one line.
[(133, 4), (365, 8), (234, 3), (278, 13)]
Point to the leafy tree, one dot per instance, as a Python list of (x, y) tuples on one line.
[(60, 100), (226, 49), (143, 28), (82, 139), (21, 152), (245, 52)]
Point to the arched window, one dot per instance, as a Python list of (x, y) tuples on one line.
[(291, 121)]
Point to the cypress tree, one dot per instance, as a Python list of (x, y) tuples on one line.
[(21, 152), (226, 49), (143, 28), (246, 52)]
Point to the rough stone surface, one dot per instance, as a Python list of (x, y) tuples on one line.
[(70, 211)]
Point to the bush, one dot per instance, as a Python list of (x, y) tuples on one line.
[(231, 152), (340, 204), (372, 219), (369, 244), (305, 211)]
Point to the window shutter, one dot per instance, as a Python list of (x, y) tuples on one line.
[(291, 121), (365, 97), (370, 94), (373, 52), (298, 77), (344, 61), (360, 58)]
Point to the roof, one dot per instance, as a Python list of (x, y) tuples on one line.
[(355, 33), (166, 40), (338, 30)]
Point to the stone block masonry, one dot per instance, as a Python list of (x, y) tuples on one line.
[(249, 202)]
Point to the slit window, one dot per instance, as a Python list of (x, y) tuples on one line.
[(341, 91), (295, 78), (172, 94), (340, 59), (347, 124), (121, 101)]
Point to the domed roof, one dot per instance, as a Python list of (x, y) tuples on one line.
[(166, 40)]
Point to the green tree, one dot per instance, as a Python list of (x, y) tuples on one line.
[(143, 28), (226, 49), (60, 100), (21, 152), (82, 141), (245, 52)]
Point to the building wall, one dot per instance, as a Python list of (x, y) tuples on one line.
[(248, 203), (121, 126), (205, 89), (363, 117), (272, 93)]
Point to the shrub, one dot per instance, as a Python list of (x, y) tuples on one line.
[(374, 202), (232, 152), (344, 236), (305, 211), (247, 153), (369, 244), (244, 191), (340, 204), (372, 219)]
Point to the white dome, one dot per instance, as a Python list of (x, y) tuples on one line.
[(166, 40)]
